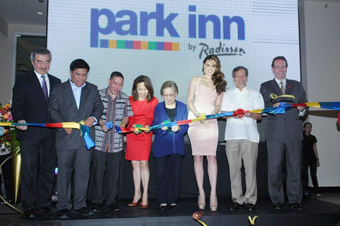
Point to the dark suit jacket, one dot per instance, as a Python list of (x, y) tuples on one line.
[(29, 104), (290, 122), (63, 108)]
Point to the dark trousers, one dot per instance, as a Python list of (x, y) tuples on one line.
[(73, 166), (172, 181), (37, 172), (292, 151), (311, 163), (109, 164), (7, 172)]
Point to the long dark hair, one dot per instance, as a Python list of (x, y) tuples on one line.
[(218, 76), (147, 83)]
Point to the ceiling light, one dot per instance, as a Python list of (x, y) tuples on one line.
[(40, 13)]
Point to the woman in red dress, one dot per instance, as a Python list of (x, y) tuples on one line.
[(138, 145)]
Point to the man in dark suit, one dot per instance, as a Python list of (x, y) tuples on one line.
[(73, 101), (30, 102), (283, 136)]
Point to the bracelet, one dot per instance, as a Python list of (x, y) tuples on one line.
[(122, 125)]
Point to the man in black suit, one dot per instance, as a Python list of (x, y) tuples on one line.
[(73, 101), (283, 136), (30, 102)]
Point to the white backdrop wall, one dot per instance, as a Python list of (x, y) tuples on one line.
[(93, 31), (320, 34)]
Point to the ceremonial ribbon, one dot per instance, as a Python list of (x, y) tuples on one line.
[(281, 109), (197, 216), (274, 96), (85, 130), (252, 221)]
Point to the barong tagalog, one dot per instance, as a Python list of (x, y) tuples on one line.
[(281, 109), (85, 130)]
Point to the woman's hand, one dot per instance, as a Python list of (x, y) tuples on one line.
[(174, 128), (135, 131), (147, 127), (164, 128)]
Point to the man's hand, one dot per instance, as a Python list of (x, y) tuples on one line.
[(301, 108), (68, 130), (105, 128), (164, 128), (89, 122), (276, 105), (248, 114), (21, 127)]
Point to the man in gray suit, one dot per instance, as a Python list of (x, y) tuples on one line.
[(283, 136), (73, 101)]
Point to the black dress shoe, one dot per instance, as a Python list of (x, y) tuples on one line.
[(174, 206), (296, 206), (163, 206), (236, 206), (113, 207), (85, 211), (96, 208), (277, 206), (250, 207), (64, 213), (30, 214)]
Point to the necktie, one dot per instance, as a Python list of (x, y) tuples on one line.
[(282, 88), (44, 87)]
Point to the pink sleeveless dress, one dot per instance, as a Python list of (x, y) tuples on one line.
[(203, 138)]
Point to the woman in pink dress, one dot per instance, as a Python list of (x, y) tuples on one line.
[(138, 145), (205, 97)]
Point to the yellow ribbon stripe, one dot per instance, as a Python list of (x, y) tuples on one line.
[(6, 123), (72, 125), (274, 96), (313, 104), (252, 221)]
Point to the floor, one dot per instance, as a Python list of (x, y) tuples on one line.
[(325, 207)]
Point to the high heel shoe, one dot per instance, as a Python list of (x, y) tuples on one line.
[(143, 206), (201, 205), (213, 205), (135, 203)]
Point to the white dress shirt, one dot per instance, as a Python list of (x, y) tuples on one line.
[(245, 127), (41, 81)]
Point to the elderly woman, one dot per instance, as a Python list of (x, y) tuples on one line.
[(168, 146), (138, 145)]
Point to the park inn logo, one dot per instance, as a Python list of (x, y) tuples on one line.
[(138, 25)]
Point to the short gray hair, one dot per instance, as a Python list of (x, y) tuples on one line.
[(169, 84), (41, 51)]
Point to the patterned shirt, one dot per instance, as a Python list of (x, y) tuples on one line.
[(114, 111)]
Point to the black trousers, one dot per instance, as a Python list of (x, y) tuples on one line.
[(73, 177), (7, 172), (291, 152), (37, 172), (105, 166), (168, 187), (312, 164)]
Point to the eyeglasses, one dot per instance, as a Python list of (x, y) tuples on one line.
[(171, 95), (279, 68)]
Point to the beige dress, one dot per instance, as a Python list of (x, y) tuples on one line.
[(203, 138)]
